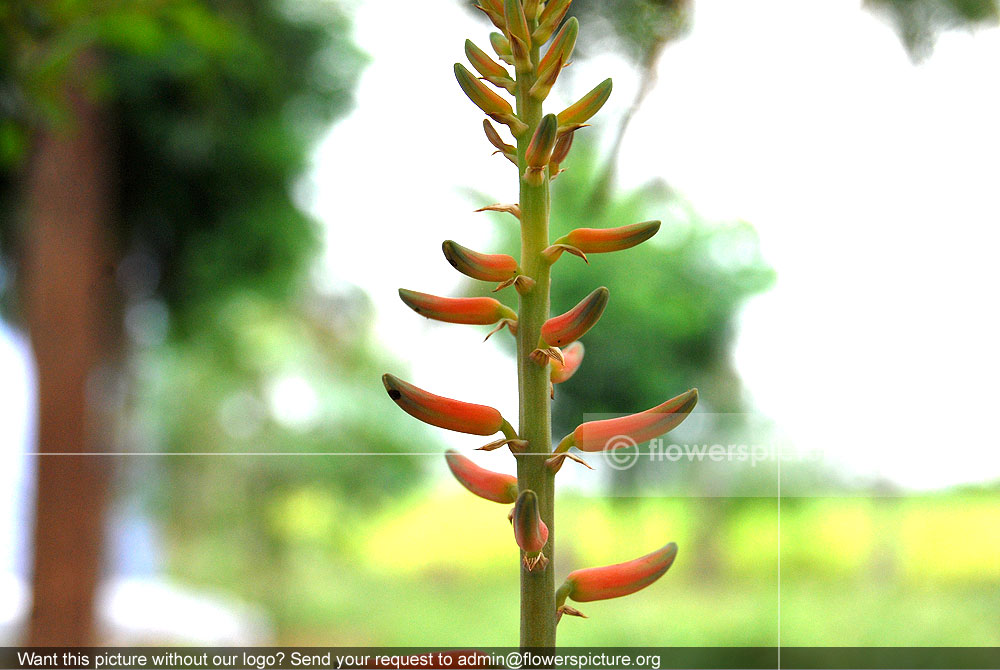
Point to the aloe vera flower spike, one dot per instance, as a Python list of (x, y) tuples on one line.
[(537, 41)]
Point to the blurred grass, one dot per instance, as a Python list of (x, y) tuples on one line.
[(439, 568)]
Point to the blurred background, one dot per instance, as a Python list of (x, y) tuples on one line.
[(206, 209)]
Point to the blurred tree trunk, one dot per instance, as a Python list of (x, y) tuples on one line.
[(67, 283)]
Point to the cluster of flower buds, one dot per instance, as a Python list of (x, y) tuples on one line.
[(539, 149), (553, 137)]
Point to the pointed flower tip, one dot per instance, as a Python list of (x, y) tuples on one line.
[(622, 579), (483, 64), (462, 417), (603, 240), (562, 45), (554, 252), (494, 486), (473, 311), (486, 267), (568, 327), (542, 142), (584, 108), (481, 95), (500, 45), (608, 433), (549, 19), (517, 22)]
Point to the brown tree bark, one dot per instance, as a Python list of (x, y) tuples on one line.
[(68, 280)]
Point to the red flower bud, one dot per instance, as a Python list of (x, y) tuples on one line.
[(559, 152), (615, 581), (463, 417), (530, 531), (484, 483), (476, 311), (572, 358), (608, 433), (602, 240), (487, 267), (572, 325)]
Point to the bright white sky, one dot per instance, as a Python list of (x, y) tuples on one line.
[(873, 183)]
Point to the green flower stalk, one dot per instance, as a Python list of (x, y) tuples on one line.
[(539, 144)]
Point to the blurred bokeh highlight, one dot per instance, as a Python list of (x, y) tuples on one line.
[(206, 208)]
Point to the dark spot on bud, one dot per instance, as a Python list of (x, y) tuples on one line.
[(394, 394), (417, 310), (453, 263)]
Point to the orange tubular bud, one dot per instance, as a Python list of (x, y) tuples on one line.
[(517, 22), (566, 328), (602, 240), (572, 358), (487, 267), (492, 71), (484, 483), (474, 311), (549, 20), (584, 108), (562, 45), (615, 581), (630, 430), (481, 95), (462, 417), (530, 532)]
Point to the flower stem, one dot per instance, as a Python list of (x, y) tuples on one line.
[(538, 608)]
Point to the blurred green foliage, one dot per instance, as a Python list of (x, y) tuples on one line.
[(671, 320), (854, 571), (213, 107)]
